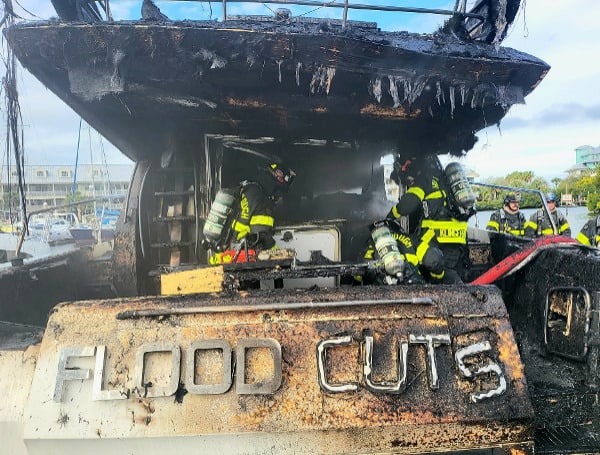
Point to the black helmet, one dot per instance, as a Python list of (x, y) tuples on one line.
[(280, 175), (511, 196), (402, 168), (551, 197)]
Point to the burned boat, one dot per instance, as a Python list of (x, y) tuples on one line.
[(152, 87), (328, 369), (187, 97)]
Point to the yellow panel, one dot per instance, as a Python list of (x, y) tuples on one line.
[(207, 279)]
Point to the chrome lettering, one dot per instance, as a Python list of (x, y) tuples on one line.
[(70, 374), (209, 389), (154, 390), (390, 387), (259, 388), (175, 371), (431, 342), (322, 346), (98, 393), (491, 367)]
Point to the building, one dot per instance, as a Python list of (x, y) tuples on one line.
[(577, 170), (53, 184), (587, 156)]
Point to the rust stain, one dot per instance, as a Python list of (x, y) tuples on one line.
[(251, 420), (380, 111), (147, 405), (435, 322), (245, 103), (508, 352)]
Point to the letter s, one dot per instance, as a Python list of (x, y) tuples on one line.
[(491, 367)]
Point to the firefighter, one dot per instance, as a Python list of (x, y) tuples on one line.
[(508, 219), (376, 275), (539, 224), (440, 238), (253, 222), (590, 233), (510, 222)]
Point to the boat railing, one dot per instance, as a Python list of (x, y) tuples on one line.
[(540, 194), (93, 8), (346, 5)]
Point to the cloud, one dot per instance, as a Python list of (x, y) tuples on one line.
[(562, 113), (557, 114)]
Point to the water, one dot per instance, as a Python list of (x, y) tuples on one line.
[(577, 216)]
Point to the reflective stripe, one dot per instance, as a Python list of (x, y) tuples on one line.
[(448, 231), (548, 231), (435, 195), (424, 245), (582, 238), (263, 220), (438, 276), (563, 228), (241, 228), (517, 232), (412, 259), (395, 212), (417, 191), (531, 224), (492, 225)]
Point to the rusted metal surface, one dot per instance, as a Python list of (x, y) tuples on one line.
[(547, 307), (302, 412), (129, 241)]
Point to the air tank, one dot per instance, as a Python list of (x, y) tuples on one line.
[(459, 185), (217, 217), (387, 249)]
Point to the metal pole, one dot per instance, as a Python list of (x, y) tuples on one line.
[(345, 16), (330, 4), (224, 10)]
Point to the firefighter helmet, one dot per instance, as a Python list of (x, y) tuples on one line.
[(551, 197), (511, 196), (281, 175), (402, 169)]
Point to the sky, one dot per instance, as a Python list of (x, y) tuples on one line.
[(541, 135)]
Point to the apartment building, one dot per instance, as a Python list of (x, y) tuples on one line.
[(587, 156), (53, 184)]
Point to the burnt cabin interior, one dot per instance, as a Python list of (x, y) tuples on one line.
[(194, 104)]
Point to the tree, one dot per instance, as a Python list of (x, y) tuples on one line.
[(520, 178)]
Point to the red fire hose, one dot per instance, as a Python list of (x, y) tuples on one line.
[(511, 262)]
